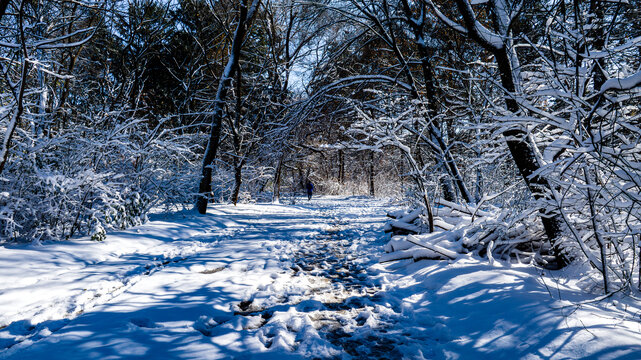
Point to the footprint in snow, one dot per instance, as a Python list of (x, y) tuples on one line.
[(143, 323)]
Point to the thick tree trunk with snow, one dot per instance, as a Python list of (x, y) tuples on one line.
[(522, 151), (520, 146), (245, 19)]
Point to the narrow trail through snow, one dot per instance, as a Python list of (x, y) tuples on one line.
[(253, 281), (340, 281), (352, 298), (355, 316), (341, 298)]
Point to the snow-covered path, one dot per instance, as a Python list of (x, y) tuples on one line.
[(291, 281), (239, 281)]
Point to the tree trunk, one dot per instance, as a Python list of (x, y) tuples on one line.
[(446, 188), (239, 159), (430, 92), (238, 180), (277, 177), (522, 151), (244, 21), (519, 144), (371, 174), (301, 178), (418, 179), (479, 173), (18, 92), (3, 7), (341, 167)]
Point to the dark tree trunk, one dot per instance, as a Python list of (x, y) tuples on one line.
[(479, 172), (301, 178), (447, 189), (239, 159), (599, 36), (450, 165), (341, 167), (3, 7), (520, 146), (277, 177), (238, 180), (19, 92), (371, 174), (246, 16), (523, 154)]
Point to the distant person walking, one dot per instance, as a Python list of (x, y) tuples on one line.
[(310, 189)]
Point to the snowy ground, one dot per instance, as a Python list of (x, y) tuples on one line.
[(290, 281)]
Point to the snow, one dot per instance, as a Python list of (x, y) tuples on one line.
[(268, 281), (626, 83)]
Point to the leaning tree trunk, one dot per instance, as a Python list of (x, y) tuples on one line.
[(519, 144), (435, 133), (245, 19), (522, 151), (420, 183)]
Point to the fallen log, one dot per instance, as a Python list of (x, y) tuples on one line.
[(462, 208), (414, 254), (401, 228), (396, 214), (437, 249), (398, 243)]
